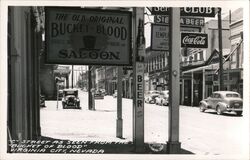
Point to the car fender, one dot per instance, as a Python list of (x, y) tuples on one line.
[(206, 105), (223, 106)]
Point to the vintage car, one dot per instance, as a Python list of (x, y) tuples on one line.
[(162, 99), (60, 94), (70, 98), (98, 94), (223, 101), (115, 94), (104, 93), (150, 96), (42, 101)]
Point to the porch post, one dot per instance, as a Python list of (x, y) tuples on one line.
[(192, 89), (203, 83)]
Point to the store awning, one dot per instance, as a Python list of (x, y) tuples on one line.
[(231, 53), (207, 67)]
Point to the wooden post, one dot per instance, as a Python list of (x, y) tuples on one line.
[(72, 78), (138, 79), (192, 89), (220, 50), (89, 88), (119, 121), (173, 144), (203, 83)]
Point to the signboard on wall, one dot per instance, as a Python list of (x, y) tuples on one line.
[(87, 36), (159, 37), (186, 11), (184, 21), (194, 40)]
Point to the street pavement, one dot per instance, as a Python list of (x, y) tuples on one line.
[(200, 133)]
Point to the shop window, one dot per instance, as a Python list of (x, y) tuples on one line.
[(209, 78), (216, 88), (225, 77), (215, 77)]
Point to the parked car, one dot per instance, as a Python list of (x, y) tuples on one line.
[(223, 101), (60, 94), (115, 94), (150, 96), (99, 94), (162, 99), (70, 98), (42, 101), (104, 93)]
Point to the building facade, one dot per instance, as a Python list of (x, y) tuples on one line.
[(24, 49), (199, 82)]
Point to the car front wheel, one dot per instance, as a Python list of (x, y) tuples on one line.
[(202, 108), (78, 106), (239, 113), (218, 110)]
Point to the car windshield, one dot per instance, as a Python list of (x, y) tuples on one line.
[(70, 93), (232, 95), (154, 95), (153, 92)]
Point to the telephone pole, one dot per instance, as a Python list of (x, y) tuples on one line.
[(220, 50)]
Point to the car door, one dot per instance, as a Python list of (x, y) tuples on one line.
[(210, 100), (216, 99)]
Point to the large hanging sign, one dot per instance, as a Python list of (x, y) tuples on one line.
[(186, 11), (159, 37), (194, 40), (87, 36)]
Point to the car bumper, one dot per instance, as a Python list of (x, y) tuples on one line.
[(234, 109), (99, 97)]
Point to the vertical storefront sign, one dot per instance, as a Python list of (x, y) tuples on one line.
[(138, 80)]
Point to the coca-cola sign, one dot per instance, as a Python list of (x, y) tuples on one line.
[(194, 40)]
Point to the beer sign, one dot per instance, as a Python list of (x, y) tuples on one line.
[(184, 21), (194, 40), (87, 36)]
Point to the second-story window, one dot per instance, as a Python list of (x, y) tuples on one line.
[(196, 57), (160, 61), (163, 60), (152, 65), (201, 56)]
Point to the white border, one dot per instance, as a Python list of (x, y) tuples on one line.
[(171, 3)]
